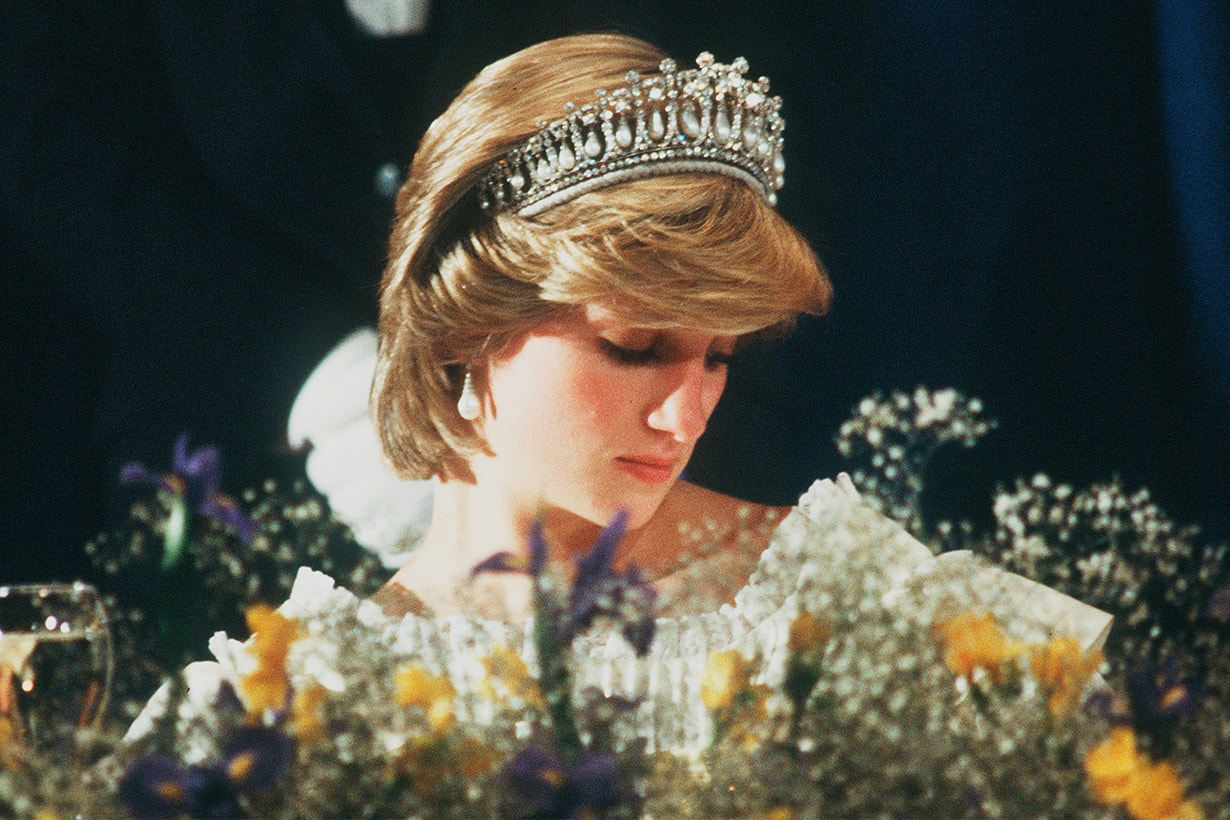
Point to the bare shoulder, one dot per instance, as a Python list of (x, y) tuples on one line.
[(694, 522), (695, 504)]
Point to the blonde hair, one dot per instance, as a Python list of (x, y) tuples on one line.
[(700, 251)]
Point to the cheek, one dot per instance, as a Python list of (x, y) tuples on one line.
[(556, 395), (600, 397)]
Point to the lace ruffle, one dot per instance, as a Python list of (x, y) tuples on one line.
[(667, 681)]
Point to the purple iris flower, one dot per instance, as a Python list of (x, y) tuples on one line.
[(539, 551), (1158, 693), (218, 799), (501, 562), (1158, 699), (195, 478), (156, 787), (548, 788), (594, 782), (537, 776), (257, 757), (596, 564), (508, 562), (599, 591)]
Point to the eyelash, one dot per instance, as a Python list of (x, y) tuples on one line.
[(649, 355)]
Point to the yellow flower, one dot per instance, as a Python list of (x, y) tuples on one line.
[(740, 709), (1190, 811), (1112, 766), (305, 722), (973, 640), (1121, 774), (272, 634), (751, 725), (267, 686), (434, 762), (726, 675), (1064, 668), (809, 634), (264, 688), (431, 693), (808, 638), (509, 678), (1157, 794)]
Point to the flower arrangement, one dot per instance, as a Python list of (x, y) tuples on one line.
[(257, 734), (192, 560), (264, 747), (936, 708)]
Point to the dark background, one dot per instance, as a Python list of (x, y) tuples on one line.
[(1024, 200)]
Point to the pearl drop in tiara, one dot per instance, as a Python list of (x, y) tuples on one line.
[(710, 119)]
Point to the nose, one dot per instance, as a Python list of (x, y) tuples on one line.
[(687, 399)]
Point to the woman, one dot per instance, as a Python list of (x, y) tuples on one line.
[(558, 314), (556, 320)]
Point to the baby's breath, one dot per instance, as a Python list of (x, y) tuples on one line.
[(891, 439)]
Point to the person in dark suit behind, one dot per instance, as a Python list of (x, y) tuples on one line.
[(194, 207)]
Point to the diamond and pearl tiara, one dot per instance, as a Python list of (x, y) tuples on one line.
[(709, 119)]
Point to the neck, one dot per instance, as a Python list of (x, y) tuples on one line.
[(468, 525)]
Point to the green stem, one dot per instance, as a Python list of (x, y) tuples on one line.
[(179, 605), (178, 522), (556, 679)]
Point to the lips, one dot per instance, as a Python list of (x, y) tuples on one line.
[(649, 469)]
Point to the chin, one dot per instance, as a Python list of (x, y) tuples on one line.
[(598, 503)]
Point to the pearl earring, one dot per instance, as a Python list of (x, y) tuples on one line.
[(468, 404)]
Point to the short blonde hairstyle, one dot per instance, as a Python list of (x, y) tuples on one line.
[(695, 250)]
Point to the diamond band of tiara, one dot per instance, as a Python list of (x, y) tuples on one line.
[(709, 119)]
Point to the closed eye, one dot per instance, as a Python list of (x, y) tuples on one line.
[(716, 358), (629, 355)]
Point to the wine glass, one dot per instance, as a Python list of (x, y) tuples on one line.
[(56, 662)]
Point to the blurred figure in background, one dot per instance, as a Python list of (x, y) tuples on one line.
[(194, 206)]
